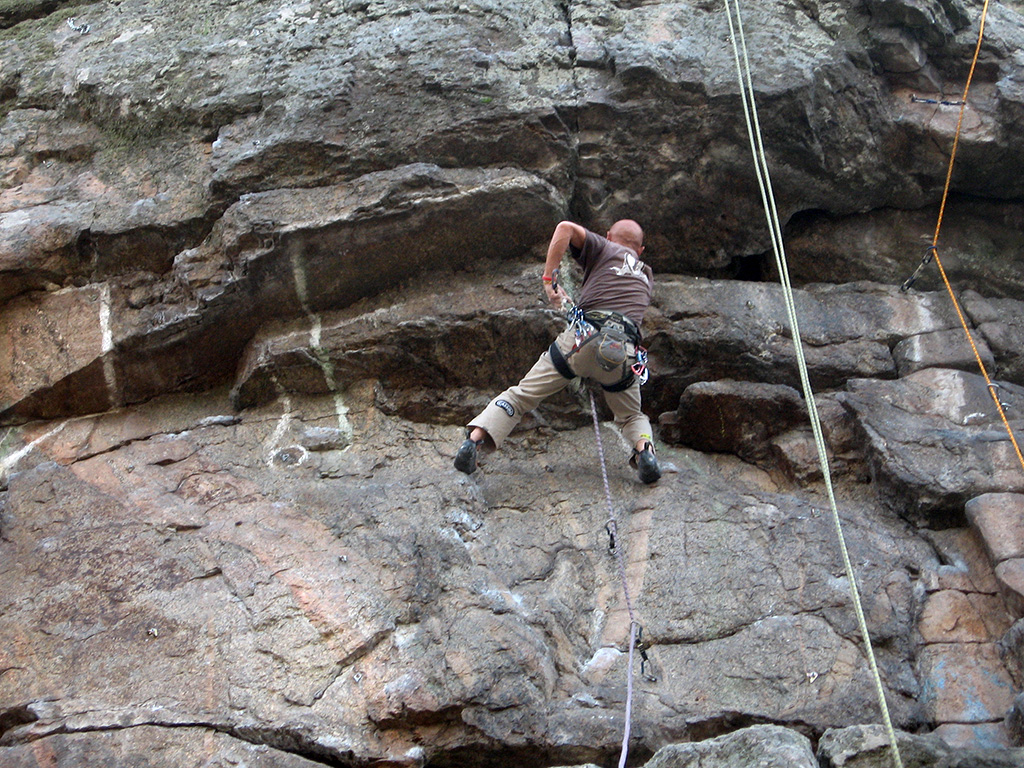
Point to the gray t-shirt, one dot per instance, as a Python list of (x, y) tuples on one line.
[(614, 278)]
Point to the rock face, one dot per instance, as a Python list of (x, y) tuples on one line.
[(261, 260)]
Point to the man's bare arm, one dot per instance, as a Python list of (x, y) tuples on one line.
[(566, 233)]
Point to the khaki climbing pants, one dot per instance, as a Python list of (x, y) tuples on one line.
[(544, 380)]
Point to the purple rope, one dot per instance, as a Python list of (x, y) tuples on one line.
[(613, 530)]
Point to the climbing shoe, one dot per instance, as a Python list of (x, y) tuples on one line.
[(647, 464), (465, 458)]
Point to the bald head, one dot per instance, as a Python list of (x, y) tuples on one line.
[(628, 233)]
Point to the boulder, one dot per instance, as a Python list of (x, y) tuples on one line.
[(761, 745), (941, 349), (737, 417), (935, 439), (1000, 322), (999, 519), (868, 747)]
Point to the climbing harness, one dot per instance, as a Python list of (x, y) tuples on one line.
[(606, 348), (771, 214), (933, 250)]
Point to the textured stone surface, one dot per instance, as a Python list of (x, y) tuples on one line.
[(997, 518), (766, 746), (260, 260), (1011, 576), (149, 745), (1001, 323), (942, 349), (354, 600), (952, 616), (937, 435), (965, 684), (737, 417), (868, 747)]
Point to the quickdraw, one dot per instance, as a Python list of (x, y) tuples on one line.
[(925, 261), (639, 368)]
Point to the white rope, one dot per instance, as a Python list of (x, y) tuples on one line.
[(613, 531), (771, 214)]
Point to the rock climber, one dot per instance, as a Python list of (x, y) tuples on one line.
[(601, 343)]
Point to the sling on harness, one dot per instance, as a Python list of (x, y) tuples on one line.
[(602, 350)]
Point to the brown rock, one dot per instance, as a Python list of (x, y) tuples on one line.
[(985, 735), (965, 565), (999, 518), (58, 342), (965, 683), (796, 454), (1011, 576), (950, 616), (737, 416)]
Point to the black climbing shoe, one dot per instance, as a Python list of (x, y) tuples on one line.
[(647, 464), (465, 458)]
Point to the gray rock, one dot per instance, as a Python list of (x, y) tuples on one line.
[(355, 600), (868, 747), (153, 745), (338, 210), (760, 745), (935, 440), (941, 349), (737, 417), (1015, 720), (100, 352), (1000, 324)]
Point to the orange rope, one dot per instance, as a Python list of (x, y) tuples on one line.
[(935, 240)]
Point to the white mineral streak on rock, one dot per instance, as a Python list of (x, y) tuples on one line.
[(8, 462), (107, 345), (315, 331)]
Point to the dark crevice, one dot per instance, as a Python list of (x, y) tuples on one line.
[(15, 717), (496, 756), (755, 268), (566, 9), (298, 743), (730, 722)]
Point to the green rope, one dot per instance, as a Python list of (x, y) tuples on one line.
[(771, 214)]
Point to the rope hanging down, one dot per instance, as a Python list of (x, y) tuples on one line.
[(933, 249), (635, 630), (771, 214)]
